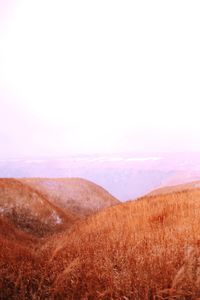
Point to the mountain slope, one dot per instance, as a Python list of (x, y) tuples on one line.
[(30, 210), (176, 188), (143, 249), (79, 196), (9, 231), (134, 250)]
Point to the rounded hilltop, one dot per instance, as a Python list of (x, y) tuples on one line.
[(80, 196)]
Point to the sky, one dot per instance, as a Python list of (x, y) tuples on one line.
[(84, 77)]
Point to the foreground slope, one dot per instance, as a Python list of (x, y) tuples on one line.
[(79, 196), (19, 270), (30, 210), (145, 249), (18, 255)]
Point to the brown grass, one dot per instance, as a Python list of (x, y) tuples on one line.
[(145, 249), (77, 195), (19, 264), (175, 188)]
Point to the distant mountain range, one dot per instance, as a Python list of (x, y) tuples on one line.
[(124, 176)]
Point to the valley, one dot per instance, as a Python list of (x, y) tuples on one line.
[(141, 249), (125, 176)]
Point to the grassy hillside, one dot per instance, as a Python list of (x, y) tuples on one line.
[(176, 188), (144, 249), (77, 195), (20, 265), (147, 249), (30, 210), (9, 231)]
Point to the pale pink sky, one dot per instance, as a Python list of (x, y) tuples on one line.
[(99, 76)]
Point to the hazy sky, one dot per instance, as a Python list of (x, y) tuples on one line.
[(99, 76)]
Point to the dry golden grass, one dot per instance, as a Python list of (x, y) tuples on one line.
[(9, 231), (132, 251), (19, 263), (175, 188), (144, 249)]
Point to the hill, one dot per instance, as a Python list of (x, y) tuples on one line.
[(176, 188), (30, 210), (126, 176), (77, 195), (26, 215), (9, 231), (144, 249)]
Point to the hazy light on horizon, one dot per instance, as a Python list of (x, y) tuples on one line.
[(99, 77)]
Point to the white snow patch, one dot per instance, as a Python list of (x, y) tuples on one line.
[(56, 218)]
